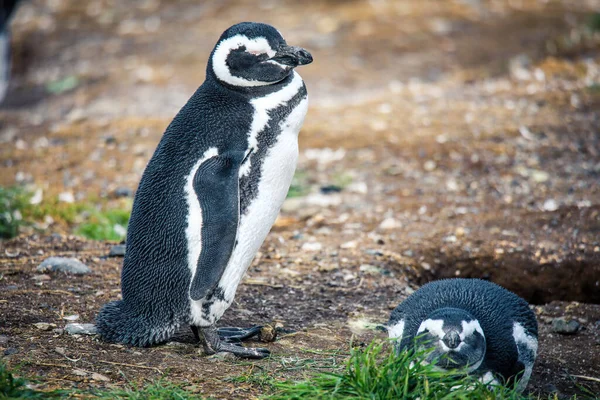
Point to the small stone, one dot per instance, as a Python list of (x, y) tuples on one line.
[(64, 264), (120, 230), (44, 326), (390, 223), (312, 246), (10, 351), (562, 326), (99, 377), (66, 197), (117, 250), (370, 269), (349, 245), (267, 334), (40, 278), (79, 372), (123, 192), (3, 340), (550, 205), (426, 266), (73, 317), (81, 329), (429, 165), (450, 239)]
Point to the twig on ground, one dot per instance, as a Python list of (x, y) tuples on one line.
[(587, 378), (131, 365)]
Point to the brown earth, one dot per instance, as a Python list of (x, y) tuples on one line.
[(456, 138)]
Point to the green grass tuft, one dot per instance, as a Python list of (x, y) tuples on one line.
[(299, 186), (105, 225), (378, 373), (14, 204), (15, 388), (159, 390)]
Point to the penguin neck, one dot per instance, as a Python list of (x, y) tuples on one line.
[(249, 92)]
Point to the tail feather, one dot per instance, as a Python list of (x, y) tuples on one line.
[(116, 323)]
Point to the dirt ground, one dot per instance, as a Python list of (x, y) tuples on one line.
[(455, 138)]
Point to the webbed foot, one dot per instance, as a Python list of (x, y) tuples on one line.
[(213, 342)]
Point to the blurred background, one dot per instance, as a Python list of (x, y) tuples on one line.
[(461, 134)]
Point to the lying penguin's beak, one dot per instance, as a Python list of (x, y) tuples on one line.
[(292, 56)]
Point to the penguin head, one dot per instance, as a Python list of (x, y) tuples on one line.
[(252, 54), (455, 338)]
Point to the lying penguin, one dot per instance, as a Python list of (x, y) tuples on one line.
[(211, 193), (472, 324)]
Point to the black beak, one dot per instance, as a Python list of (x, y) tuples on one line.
[(451, 339), (292, 56)]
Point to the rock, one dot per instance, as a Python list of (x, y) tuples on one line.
[(390, 223), (71, 265), (99, 377), (66, 197), (117, 250), (3, 340), (358, 187), (312, 246), (79, 372), (41, 277), (73, 317), (44, 326), (81, 329), (562, 326), (370, 269), (349, 245), (10, 351), (550, 205), (123, 192), (120, 230)]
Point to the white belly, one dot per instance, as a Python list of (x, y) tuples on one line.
[(277, 171)]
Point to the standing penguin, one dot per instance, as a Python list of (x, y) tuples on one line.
[(7, 8), (211, 193), (470, 323)]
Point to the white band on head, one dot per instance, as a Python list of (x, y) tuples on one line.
[(219, 60)]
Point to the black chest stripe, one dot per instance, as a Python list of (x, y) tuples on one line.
[(266, 139)]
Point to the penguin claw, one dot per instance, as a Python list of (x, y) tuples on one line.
[(212, 342), (236, 335), (245, 352)]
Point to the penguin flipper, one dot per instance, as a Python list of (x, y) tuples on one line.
[(216, 184)]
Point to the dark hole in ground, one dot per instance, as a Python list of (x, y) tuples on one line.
[(539, 283)]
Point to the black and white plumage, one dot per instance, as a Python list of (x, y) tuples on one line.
[(211, 193), (470, 323), (7, 8)]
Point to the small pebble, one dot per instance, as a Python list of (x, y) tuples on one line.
[(562, 326), (81, 329), (64, 264), (312, 246), (3, 340), (10, 351), (117, 251), (123, 192), (44, 326)]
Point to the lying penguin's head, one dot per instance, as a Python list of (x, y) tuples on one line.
[(252, 54), (455, 337)]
